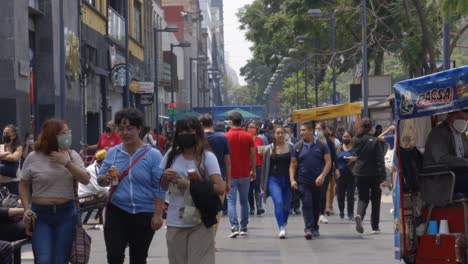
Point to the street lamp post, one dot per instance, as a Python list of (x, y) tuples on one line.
[(183, 44), (318, 13), (365, 88), (191, 92), (169, 28)]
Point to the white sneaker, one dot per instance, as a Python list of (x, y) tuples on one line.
[(323, 220), (282, 233)]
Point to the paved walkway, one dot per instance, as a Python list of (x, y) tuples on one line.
[(339, 243)]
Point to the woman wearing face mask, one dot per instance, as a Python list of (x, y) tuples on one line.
[(254, 191), (275, 177), (188, 240), (28, 145), (320, 129), (345, 180), (52, 169), (136, 199), (10, 156)]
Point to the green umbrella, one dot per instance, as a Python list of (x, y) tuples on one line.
[(244, 113), (184, 114)]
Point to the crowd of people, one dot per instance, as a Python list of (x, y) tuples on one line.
[(199, 176)]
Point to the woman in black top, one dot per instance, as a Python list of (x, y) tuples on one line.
[(369, 170), (275, 177)]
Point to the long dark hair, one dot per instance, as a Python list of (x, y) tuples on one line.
[(201, 143), (17, 141), (273, 154), (365, 127)]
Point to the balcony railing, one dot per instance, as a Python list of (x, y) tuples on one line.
[(116, 27)]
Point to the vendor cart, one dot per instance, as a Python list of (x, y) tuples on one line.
[(431, 221)]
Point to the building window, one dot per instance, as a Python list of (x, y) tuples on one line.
[(92, 2), (137, 21)]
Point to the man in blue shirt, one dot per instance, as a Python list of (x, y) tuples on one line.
[(220, 147), (310, 164)]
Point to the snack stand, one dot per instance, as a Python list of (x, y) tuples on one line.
[(431, 222)]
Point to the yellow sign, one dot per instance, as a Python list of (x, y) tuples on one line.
[(134, 86), (326, 112)]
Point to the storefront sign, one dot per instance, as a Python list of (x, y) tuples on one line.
[(146, 99), (437, 93), (142, 87), (117, 75)]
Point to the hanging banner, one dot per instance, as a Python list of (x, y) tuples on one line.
[(433, 94), (326, 112)]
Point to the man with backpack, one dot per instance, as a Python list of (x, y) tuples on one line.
[(310, 164)]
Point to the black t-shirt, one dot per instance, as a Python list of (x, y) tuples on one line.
[(279, 164)]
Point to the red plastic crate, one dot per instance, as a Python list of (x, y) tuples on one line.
[(434, 249)]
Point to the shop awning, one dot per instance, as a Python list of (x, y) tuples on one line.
[(326, 112)]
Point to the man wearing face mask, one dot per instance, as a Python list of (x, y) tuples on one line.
[(108, 139), (448, 144)]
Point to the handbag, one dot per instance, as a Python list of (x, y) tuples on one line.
[(81, 246)]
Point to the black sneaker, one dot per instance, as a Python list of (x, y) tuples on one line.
[(308, 235), (359, 227), (234, 232), (252, 212), (260, 211), (243, 231), (297, 211)]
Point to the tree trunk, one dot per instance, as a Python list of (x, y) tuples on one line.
[(378, 61), (427, 38)]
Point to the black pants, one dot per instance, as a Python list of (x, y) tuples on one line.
[(295, 199), (254, 192), (122, 229), (310, 196), (369, 189), (6, 252), (345, 186), (323, 194)]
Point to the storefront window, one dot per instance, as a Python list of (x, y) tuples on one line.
[(137, 21)]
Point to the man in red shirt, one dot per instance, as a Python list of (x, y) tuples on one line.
[(107, 139), (160, 139), (242, 172)]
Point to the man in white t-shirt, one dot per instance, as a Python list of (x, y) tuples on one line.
[(100, 193)]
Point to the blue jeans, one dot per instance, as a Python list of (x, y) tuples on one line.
[(310, 197), (242, 186), (280, 191), (53, 232)]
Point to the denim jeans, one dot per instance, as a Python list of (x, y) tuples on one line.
[(279, 188), (310, 196), (242, 186), (53, 232)]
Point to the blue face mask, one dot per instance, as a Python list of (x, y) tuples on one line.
[(64, 141), (319, 134)]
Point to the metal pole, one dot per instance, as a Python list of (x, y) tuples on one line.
[(126, 102), (62, 62), (333, 27), (316, 82), (191, 106), (365, 88), (446, 45), (156, 92), (305, 86), (297, 88), (172, 73)]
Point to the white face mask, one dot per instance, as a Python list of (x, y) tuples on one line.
[(460, 125)]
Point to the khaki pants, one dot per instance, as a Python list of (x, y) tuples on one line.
[(331, 192), (193, 245), (218, 216)]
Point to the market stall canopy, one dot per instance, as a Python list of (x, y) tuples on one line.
[(438, 93), (326, 112), (184, 114), (244, 113)]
